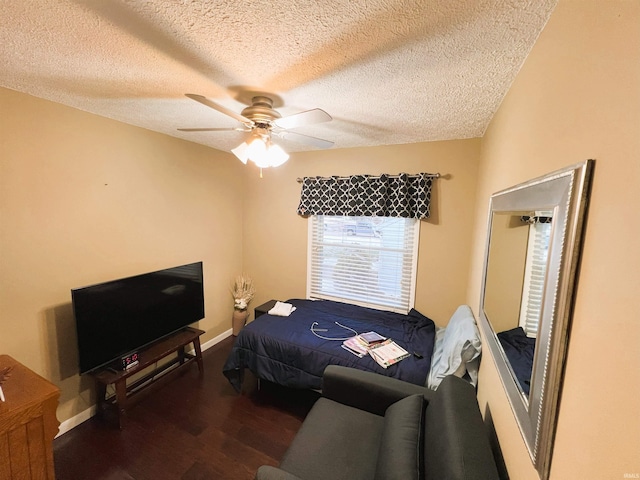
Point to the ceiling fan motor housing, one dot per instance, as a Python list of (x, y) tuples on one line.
[(261, 111)]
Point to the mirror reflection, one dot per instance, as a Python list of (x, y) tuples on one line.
[(516, 270)]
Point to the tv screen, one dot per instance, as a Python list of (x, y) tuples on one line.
[(116, 318)]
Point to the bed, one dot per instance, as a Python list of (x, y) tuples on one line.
[(286, 351), (519, 349)]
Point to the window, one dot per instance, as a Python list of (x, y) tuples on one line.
[(535, 274), (368, 261)]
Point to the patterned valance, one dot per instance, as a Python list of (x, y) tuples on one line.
[(401, 195), (536, 219)]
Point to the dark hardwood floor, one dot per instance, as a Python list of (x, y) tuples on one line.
[(193, 428)]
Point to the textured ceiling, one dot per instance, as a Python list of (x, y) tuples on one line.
[(387, 71)]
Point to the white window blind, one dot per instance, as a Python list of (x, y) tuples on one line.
[(535, 272), (368, 261)]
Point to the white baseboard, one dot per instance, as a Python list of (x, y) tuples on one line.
[(218, 339), (91, 411), (76, 420)]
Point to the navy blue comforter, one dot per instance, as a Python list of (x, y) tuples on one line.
[(285, 351), (520, 350)]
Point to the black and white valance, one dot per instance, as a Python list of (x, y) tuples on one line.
[(401, 195), (536, 219)]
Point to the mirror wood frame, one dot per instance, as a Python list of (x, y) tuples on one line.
[(565, 192)]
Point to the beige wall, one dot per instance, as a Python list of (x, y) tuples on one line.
[(578, 97), (275, 237), (84, 199), (505, 278)]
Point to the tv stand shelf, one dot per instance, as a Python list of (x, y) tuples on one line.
[(127, 394)]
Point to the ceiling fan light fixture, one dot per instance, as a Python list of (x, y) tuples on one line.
[(257, 148), (276, 155), (241, 151), (261, 151)]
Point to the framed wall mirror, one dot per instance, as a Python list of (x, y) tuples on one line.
[(534, 238)]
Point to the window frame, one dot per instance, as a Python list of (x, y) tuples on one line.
[(405, 307)]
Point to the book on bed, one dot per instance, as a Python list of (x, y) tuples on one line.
[(388, 353), (359, 345), (355, 346), (371, 338)]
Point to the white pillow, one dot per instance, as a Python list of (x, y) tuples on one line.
[(457, 350)]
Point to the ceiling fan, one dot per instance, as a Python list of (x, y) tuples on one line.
[(260, 120)]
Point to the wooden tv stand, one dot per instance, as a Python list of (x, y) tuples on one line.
[(126, 395)]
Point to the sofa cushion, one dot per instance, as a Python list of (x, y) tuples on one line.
[(335, 441), (401, 446)]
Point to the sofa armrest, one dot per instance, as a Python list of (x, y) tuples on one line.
[(366, 390), (267, 472), (456, 440)]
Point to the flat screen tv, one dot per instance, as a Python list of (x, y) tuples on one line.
[(116, 318)]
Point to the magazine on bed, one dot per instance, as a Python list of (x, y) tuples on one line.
[(388, 353), (355, 346), (359, 345)]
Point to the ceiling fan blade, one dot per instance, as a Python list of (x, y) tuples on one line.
[(308, 117), (220, 108), (214, 129), (298, 137)]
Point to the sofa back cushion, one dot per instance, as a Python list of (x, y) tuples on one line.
[(401, 448), (456, 441)]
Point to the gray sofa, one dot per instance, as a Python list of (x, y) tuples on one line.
[(368, 426)]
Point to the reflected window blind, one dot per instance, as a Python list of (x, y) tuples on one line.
[(535, 272), (369, 261)]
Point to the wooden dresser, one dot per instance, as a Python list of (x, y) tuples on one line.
[(28, 424)]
